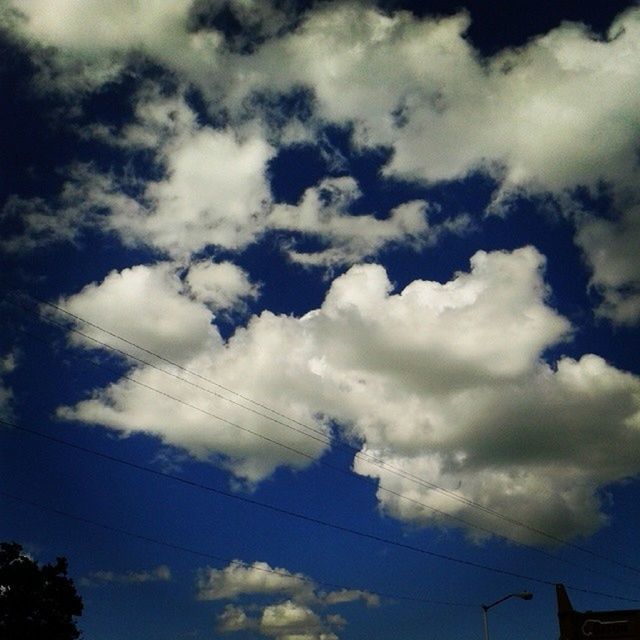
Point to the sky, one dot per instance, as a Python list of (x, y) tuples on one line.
[(320, 319)]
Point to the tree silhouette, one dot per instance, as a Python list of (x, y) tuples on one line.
[(36, 603)]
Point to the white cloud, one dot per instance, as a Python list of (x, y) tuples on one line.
[(215, 193), (556, 113), (93, 39), (351, 595), (220, 285), (446, 381), (289, 619), (537, 451), (239, 579), (324, 212), (283, 621), (145, 305), (293, 618), (235, 619), (214, 190), (450, 364), (83, 202), (161, 573), (488, 324), (109, 24), (611, 249)]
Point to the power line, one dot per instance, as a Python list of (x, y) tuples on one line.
[(349, 473), (307, 518), (230, 561), (323, 436), (324, 439), (312, 457), (357, 453)]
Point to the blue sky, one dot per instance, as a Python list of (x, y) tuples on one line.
[(320, 319)]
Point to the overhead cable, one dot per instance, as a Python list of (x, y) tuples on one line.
[(348, 472), (323, 439), (311, 519), (230, 562)]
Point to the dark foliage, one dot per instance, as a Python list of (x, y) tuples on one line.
[(36, 603)]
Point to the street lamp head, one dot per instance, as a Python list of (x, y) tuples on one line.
[(524, 595)]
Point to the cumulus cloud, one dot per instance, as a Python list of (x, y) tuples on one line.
[(220, 285), (235, 619), (323, 212), (111, 24), (239, 579), (171, 324), (415, 85), (459, 361), (161, 573), (180, 329), (611, 249), (294, 617), (283, 621), (88, 43), (215, 192), (445, 381), (259, 578), (289, 619), (537, 454), (446, 113), (554, 114)]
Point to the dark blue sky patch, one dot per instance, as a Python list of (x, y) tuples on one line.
[(33, 145), (279, 109), (286, 288), (512, 23), (293, 170)]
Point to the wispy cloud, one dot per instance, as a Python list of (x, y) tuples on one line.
[(161, 573)]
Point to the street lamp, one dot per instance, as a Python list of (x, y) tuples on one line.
[(523, 595)]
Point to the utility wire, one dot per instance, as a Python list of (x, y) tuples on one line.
[(348, 472), (323, 436), (229, 561), (374, 460), (311, 457), (323, 439), (310, 519)]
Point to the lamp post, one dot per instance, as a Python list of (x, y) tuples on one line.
[(523, 595)]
